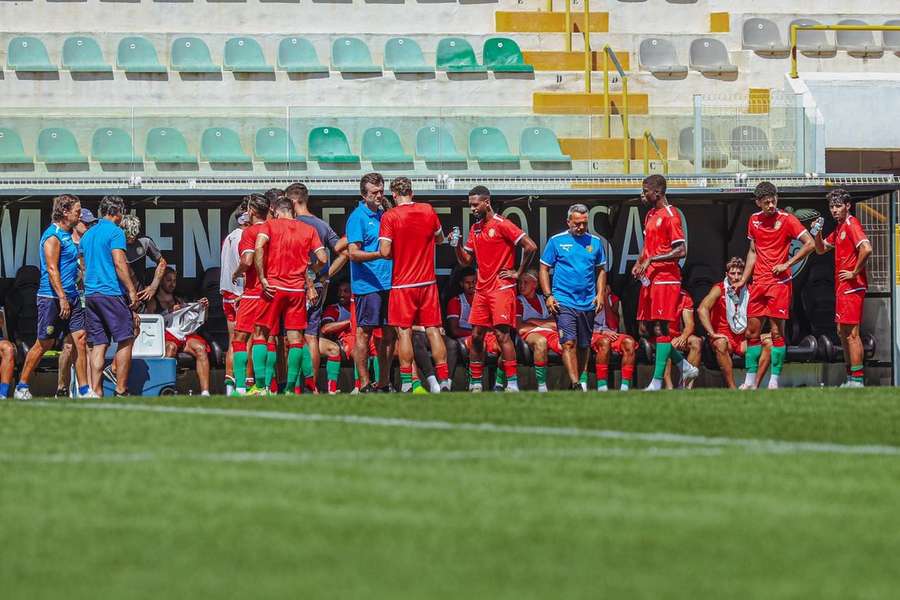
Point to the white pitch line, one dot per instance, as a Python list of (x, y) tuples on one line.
[(751, 445), (356, 455)]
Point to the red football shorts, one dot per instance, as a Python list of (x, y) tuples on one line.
[(550, 335), (491, 345), (229, 302), (285, 307), (249, 311), (615, 346), (770, 300), (848, 308), (409, 306), (348, 341), (493, 308), (735, 341), (659, 301), (180, 344)]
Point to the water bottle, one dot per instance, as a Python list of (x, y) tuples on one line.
[(817, 226), (454, 237)]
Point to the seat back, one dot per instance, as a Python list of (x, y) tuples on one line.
[(502, 51), (760, 33), (891, 39), (136, 52), (486, 141), (539, 141), (190, 52), (11, 147), (244, 52), (57, 143), (402, 52), (748, 138), (328, 141), (657, 52), (81, 51), (686, 141), (381, 141), (709, 51), (27, 51), (296, 52), (220, 141), (111, 143), (350, 52), (165, 142), (455, 52), (274, 141), (855, 38), (809, 38), (434, 140)]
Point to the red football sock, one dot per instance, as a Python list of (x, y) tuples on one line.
[(510, 369), (477, 369), (602, 371), (442, 371), (627, 372)]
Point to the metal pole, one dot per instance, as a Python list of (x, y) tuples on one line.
[(568, 25), (549, 5), (698, 134), (606, 107), (794, 52), (625, 135), (894, 286), (799, 137), (646, 153), (587, 46)]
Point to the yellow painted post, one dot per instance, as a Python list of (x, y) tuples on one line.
[(794, 73), (568, 25), (549, 5), (587, 46), (606, 105), (625, 135), (646, 153)]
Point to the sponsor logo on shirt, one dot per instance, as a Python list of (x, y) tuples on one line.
[(566, 247)]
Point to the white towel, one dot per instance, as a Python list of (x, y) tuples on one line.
[(736, 307), (186, 320)]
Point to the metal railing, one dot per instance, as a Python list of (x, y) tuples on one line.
[(609, 55), (649, 140), (796, 28)]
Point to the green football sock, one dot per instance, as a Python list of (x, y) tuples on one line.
[(271, 362), (676, 356), (752, 358), (778, 354), (376, 368), (501, 378), (663, 349), (541, 374), (294, 368), (240, 368), (583, 378), (306, 365), (259, 364), (333, 369)]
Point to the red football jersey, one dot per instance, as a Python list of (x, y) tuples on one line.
[(287, 253), (685, 302), (662, 230), (493, 243), (248, 244), (719, 314), (772, 236), (846, 240), (411, 229)]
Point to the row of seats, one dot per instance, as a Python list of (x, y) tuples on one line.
[(763, 37), (137, 54), (707, 55), (748, 145), (58, 145)]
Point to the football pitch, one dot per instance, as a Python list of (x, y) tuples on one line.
[(705, 494)]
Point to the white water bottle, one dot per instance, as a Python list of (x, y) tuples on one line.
[(817, 226), (454, 237)]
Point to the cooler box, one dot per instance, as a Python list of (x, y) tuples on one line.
[(151, 373)]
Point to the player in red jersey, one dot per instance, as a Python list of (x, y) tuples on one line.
[(459, 308), (683, 339), (283, 249), (608, 338), (408, 235), (770, 232), (250, 305), (725, 326), (659, 273), (492, 244), (536, 326), (851, 252)]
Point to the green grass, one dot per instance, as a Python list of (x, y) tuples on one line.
[(99, 503)]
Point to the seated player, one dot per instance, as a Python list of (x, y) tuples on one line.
[(608, 338), (165, 301), (685, 342), (338, 330), (536, 326), (723, 313), (458, 309)]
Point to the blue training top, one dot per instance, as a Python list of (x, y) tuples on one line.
[(574, 260), (68, 263), (96, 246), (363, 227)]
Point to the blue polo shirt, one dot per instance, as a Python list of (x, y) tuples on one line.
[(96, 246), (574, 260), (68, 263), (363, 227)]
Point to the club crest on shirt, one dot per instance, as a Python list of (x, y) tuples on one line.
[(491, 233), (658, 221), (50, 329), (777, 225), (843, 235), (589, 248)]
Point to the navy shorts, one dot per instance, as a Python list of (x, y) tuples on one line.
[(575, 325), (50, 326), (108, 317), (372, 309), (313, 320)]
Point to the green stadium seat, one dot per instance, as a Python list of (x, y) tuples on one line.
[(12, 151), (504, 56), (137, 55), (455, 55), (297, 55), (191, 55), (403, 55), (28, 54), (351, 55), (488, 144), (539, 144), (167, 145), (222, 145), (57, 145), (382, 144), (245, 55), (113, 145), (435, 144), (82, 54), (330, 145), (275, 145)]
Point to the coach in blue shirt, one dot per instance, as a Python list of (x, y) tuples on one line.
[(109, 294), (370, 281), (59, 307), (579, 286)]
